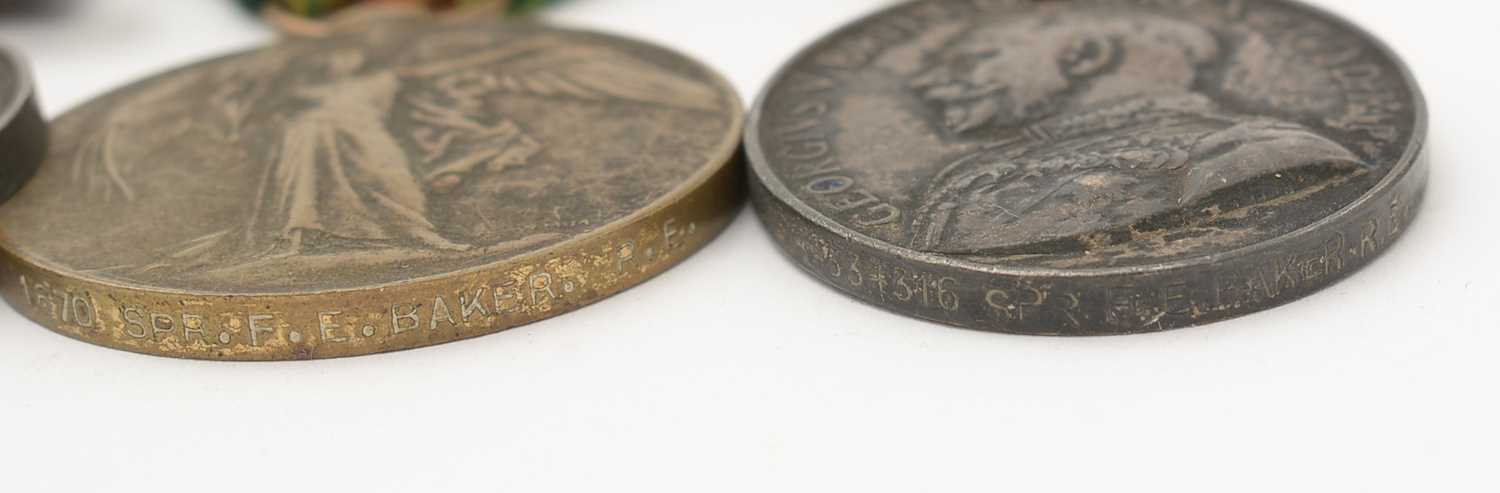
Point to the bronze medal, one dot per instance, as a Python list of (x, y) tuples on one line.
[(408, 184)]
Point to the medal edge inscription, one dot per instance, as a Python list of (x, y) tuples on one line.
[(1101, 302), (504, 295)]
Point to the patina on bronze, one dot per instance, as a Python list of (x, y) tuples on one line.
[(414, 183), (23, 132), (1088, 167)]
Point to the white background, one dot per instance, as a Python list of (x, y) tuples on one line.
[(736, 372)]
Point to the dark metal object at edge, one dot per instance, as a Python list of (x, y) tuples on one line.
[(23, 131)]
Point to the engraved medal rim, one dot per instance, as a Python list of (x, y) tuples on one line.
[(723, 155), (1414, 151)]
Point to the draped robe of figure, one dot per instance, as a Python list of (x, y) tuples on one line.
[(334, 181), (341, 173)]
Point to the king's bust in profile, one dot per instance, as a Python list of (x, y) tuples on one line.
[(1089, 123)]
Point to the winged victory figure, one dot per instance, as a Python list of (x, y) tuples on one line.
[(340, 174)]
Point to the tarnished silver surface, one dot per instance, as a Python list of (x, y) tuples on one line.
[(1088, 167)]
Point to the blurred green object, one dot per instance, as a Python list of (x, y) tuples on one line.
[(315, 8), (319, 8), (523, 7)]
